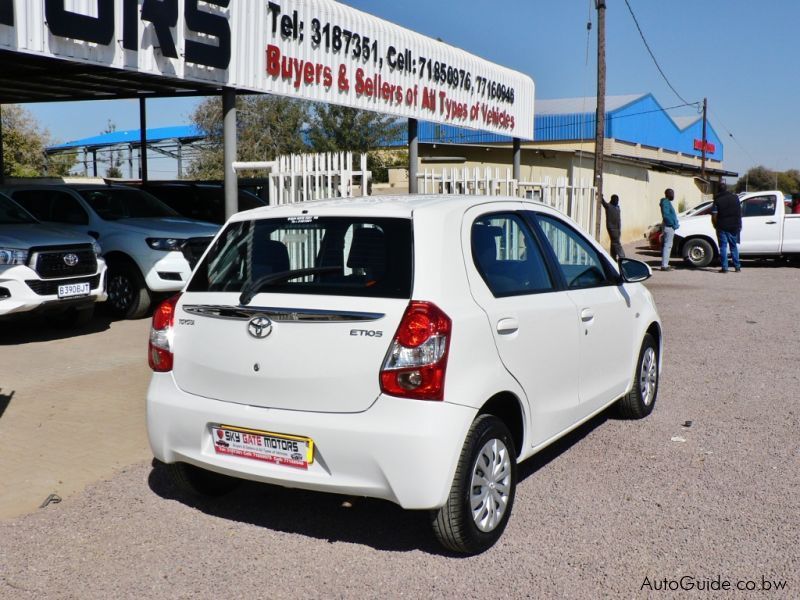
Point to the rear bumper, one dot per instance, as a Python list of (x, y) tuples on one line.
[(404, 451)]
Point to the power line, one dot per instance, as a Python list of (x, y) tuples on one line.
[(646, 45), (730, 135)]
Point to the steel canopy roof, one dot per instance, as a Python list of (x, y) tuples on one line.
[(29, 78)]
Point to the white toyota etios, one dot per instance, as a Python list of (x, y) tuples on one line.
[(414, 349)]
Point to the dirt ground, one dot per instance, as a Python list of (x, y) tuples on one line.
[(705, 491), (71, 407)]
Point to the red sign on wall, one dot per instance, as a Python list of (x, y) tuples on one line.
[(710, 148)]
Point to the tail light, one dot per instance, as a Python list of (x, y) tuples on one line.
[(159, 353), (415, 365)]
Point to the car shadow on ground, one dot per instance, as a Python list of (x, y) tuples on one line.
[(379, 524), (27, 329)]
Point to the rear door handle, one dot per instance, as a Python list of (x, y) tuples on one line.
[(587, 314), (771, 222), (507, 325)]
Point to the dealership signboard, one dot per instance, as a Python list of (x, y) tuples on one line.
[(312, 49)]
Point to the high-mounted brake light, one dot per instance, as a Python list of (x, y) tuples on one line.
[(159, 352), (416, 362)]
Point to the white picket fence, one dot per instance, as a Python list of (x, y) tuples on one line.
[(577, 201), (301, 177)]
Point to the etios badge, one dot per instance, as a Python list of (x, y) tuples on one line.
[(259, 327)]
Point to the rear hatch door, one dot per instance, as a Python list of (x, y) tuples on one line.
[(312, 342)]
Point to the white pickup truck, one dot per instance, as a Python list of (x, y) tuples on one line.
[(769, 229)]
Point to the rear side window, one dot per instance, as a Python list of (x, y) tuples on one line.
[(344, 256), (53, 206), (113, 203), (507, 256), (579, 261)]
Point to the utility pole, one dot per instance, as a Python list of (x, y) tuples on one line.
[(703, 159), (600, 119)]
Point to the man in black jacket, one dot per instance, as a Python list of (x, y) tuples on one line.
[(726, 215), (614, 226)]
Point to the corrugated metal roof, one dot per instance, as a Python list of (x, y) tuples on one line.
[(684, 122), (635, 118), (131, 136), (564, 106)]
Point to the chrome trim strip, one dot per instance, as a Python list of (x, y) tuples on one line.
[(280, 315)]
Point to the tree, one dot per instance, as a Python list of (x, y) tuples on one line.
[(114, 170), (756, 179), (24, 146), (789, 181), (338, 128), (267, 126)]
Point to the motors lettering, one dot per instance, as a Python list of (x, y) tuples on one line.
[(239, 437), (163, 14)]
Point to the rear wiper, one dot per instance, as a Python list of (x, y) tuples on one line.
[(251, 289)]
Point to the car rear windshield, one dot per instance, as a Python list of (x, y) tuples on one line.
[(340, 256), (112, 204)]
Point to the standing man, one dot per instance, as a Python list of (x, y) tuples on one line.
[(614, 226), (726, 215), (669, 223)]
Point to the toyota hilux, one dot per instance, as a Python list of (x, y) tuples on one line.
[(46, 270)]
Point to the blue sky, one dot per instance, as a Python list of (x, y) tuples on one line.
[(740, 54)]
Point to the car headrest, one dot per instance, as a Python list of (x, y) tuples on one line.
[(368, 250)]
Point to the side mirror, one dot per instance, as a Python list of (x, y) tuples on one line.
[(633, 271)]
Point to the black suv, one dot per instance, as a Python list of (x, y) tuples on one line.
[(201, 201)]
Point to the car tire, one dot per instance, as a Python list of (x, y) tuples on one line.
[(128, 296), (475, 514), (698, 252), (72, 318), (199, 482), (639, 402)]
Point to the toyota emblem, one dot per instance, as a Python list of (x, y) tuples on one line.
[(70, 259), (259, 327)]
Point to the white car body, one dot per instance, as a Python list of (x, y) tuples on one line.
[(551, 360), (39, 279), (768, 229)]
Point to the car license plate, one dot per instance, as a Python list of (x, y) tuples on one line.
[(277, 448), (70, 290)]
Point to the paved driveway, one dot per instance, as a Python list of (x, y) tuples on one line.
[(707, 488)]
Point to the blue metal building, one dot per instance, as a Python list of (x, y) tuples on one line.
[(636, 119)]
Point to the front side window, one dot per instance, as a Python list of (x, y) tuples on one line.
[(112, 204), (580, 263), (759, 206), (507, 256), (347, 256), (13, 214)]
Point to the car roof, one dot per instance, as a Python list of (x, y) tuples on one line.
[(388, 206)]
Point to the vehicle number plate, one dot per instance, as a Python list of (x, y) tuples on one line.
[(70, 290), (277, 448)]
